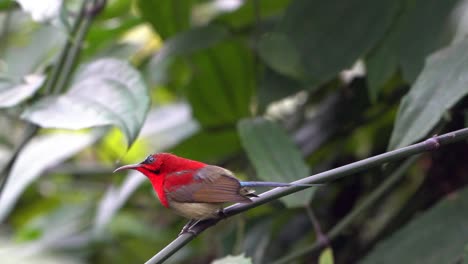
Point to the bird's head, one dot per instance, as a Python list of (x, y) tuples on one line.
[(160, 164), (152, 165)]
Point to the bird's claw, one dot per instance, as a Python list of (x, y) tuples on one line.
[(188, 228), (221, 213)]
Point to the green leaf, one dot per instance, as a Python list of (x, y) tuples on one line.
[(104, 92), (222, 85), (465, 255), (39, 154), (278, 52), (274, 156), (437, 236), (442, 83), (12, 94), (275, 86), (426, 23), (326, 257), (239, 259), (328, 45), (209, 146), (167, 17), (28, 49), (246, 15), (184, 43)]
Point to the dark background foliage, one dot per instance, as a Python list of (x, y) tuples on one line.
[(273, 90)]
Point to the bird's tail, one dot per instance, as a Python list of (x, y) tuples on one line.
[(273, 184)]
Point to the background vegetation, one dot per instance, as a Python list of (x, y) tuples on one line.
[(271, 89)]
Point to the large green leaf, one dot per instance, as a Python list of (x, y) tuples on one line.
[(38, 155), (222, 84), (275, 86), (274, 156), (277, 51), (247, 14), (328, 45), (441, 84), (423, 22), (209, 146), (438, 236), (29, 47), (104, 92), (167, 17), (184, 43)]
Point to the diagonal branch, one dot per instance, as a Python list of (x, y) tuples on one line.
[(398, 154)]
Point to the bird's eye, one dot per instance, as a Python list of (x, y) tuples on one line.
[(149, 160)]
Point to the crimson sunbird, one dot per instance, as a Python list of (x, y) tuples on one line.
[(194, 189)]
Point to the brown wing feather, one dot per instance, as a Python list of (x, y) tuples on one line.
[(212, 185)]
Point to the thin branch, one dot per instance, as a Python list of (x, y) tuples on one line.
[(349, 218), (322, 238), (427, 145)]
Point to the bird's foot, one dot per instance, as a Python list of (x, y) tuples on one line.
[(221, 213), (188, 227)]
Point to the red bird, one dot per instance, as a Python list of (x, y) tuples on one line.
[(194, 189)]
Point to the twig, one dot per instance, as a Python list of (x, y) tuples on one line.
[(427, 145), (322, 238)]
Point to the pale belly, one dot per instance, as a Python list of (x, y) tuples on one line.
[(198, 211)]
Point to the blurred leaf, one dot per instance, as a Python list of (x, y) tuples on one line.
[(239, 259), (115, 8), (209, 146), (41, 11), (326, 257), (442, 83), (275, 86), (106, 34), (328, 45), (436, 236), (222, 84), (258, 238), (115, 198), (167, 17), (32, 253), (29, 48), (245, 16), (164, 127), (39, 154), (278, 52), (12, 94), (6, 4), (274, 156), (184, 43), (465, 255), (104, 92), (426, 23)]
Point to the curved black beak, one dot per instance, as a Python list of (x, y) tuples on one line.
[(127, 167)]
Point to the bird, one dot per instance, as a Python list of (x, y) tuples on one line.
[(196, 190)]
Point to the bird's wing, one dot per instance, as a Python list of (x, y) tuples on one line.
[(211, 184)]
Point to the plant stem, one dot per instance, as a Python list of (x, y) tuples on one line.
[(398, 154)]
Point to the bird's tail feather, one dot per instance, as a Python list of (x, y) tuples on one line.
[(273, 184)]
